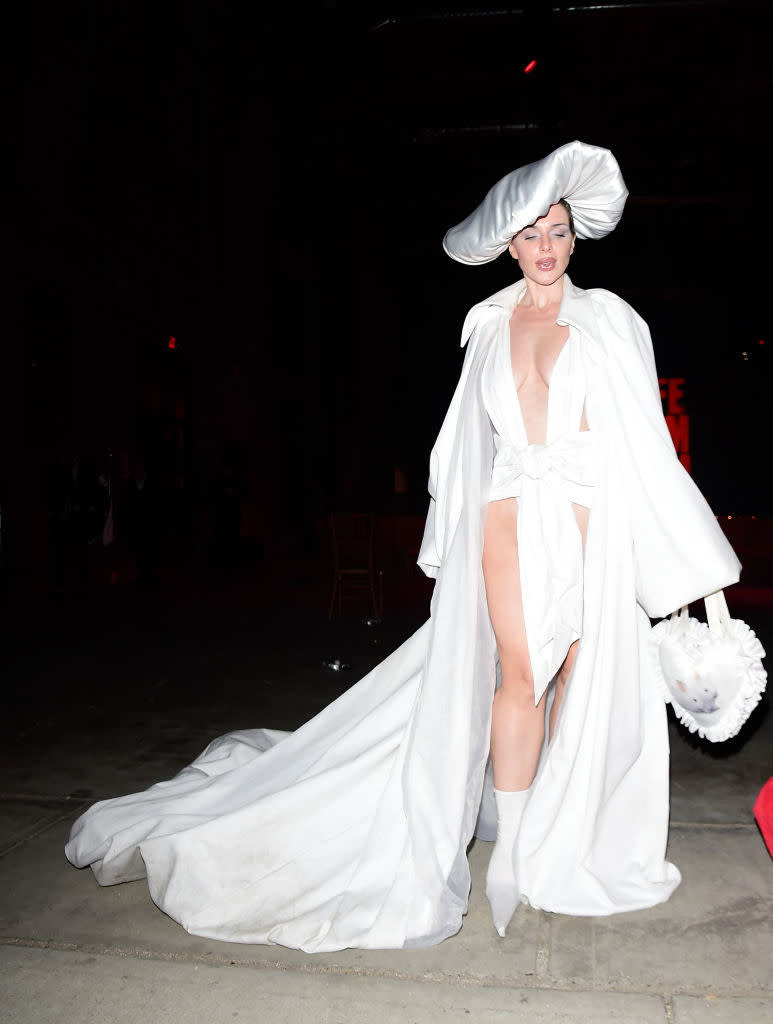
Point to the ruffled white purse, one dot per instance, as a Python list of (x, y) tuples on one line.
[(711, 674)]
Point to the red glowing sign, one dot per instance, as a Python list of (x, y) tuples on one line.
[(530, 67), (677, 419), (172, 342)]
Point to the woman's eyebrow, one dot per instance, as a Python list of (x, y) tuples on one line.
[(557, 224)]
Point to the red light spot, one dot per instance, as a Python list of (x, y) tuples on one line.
[(172, 343), (761, 341), (530, 67)]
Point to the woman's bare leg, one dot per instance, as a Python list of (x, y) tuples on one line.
[(517, 726)]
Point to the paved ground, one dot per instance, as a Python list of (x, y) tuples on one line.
[(108, 692)]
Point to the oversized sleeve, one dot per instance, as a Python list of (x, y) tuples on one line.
[(445, 486), (680, 552)]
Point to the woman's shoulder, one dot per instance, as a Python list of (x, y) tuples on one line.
[(609, 301), (620, 331), (490, 310), (615, 310)]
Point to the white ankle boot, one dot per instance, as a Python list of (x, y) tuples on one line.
[(501, 883)]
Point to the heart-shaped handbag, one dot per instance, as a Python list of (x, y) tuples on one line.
[(711, 673)]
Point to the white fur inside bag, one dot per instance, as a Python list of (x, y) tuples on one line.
[(711, 674)]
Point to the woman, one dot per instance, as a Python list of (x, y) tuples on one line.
[(353, 831), (518, 721)]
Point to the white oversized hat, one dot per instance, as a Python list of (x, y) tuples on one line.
[(588, 177)]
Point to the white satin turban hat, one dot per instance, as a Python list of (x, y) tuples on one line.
[(588, 177)]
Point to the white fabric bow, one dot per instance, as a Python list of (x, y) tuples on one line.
[(549, 541)]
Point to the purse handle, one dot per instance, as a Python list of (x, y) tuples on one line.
[(717, 613)]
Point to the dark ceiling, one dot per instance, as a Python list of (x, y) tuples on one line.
[(213, 167), (167, 134)]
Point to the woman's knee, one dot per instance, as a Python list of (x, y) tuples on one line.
[(517, 686)]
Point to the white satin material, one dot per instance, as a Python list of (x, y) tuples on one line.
[(588, 177), (549, 541)]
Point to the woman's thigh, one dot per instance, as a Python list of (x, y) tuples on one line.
[(501, 574)]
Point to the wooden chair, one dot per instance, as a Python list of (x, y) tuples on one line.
[(351, 542)]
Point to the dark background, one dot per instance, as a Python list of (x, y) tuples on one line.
[(270, 185)]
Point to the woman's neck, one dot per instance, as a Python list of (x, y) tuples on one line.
[(542, 297)]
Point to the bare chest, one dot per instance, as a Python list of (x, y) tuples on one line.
[(534, 348)]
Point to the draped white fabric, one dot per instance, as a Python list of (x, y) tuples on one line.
[(353, 830), (549, 543)]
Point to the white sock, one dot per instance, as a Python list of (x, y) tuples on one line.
[(501, 883)]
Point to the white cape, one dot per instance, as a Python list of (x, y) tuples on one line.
[(353, 831)]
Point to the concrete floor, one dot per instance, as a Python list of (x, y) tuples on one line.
[(108, 692)]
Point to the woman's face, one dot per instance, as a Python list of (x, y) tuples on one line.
[(543, 249)]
